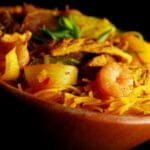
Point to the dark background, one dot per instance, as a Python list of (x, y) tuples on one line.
[(125, 14), (20, 125)]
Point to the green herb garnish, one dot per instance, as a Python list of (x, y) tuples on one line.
[(37, 61), (56, 35), (67, 28), (104, 36), (61, 60)]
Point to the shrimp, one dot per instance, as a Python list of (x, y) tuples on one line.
[(114, 80)]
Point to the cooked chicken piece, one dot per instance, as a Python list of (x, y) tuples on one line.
[(115, 51), (68, 46), (100, 60)]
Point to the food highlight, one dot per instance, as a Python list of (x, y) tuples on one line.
[(78, 61)]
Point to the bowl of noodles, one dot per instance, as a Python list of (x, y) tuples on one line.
[(91, 79)]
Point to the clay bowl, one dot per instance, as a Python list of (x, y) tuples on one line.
[(76, 129)]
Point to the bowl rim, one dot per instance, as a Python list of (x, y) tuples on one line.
[(78, 112)]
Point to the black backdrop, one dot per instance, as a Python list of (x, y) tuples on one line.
[(21, 127), (125, 14)]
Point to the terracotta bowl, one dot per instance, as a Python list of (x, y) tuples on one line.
[(76, 129)]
